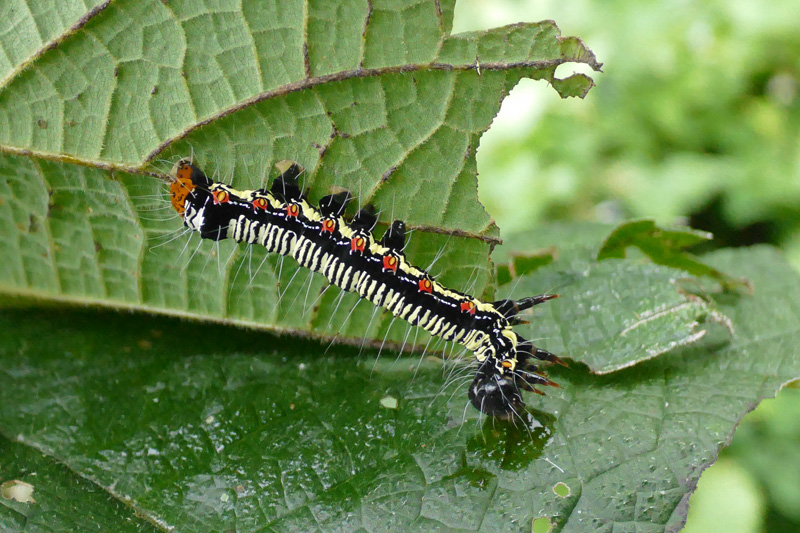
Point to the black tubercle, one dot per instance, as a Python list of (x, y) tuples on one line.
[(334, 205), (286, 187), (510, 308), (395, 236), (527, 379), (526, 350), (365, 219)]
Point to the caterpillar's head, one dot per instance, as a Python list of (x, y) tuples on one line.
[(186, 177), (494, 392)]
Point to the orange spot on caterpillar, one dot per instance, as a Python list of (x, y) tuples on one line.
[(506, 364), (390, 263), (293, 210), (261, 203), (221, 197), (357, 244), (329, 225), (468, 307), (425, 285)]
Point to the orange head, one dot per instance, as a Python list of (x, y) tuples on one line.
[(184, 182)]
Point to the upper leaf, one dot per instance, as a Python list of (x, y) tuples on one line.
[(375, 97)]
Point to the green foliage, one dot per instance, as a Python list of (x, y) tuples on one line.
[(208, 427), (738, 507), (144, 423), (701, 109), (696, 119), (664, 247)]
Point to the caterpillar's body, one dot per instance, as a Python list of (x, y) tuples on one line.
[(320, 239)]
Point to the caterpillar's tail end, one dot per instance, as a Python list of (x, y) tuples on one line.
[(499, 395), (494, 394)]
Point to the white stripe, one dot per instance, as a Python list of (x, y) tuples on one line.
[(378, 296), (313, 264)]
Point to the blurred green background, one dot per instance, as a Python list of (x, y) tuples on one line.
[(695, 120)]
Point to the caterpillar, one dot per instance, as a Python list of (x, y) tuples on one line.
[(320, 238)]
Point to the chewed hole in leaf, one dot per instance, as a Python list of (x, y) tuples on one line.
[(542, 524), (565, 70), (389, 402), (562, 489), (18, 491)]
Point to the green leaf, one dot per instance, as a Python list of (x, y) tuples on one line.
[(664, 247), (204, 427), (613, 313), (376, 97), (522, 264), (62, 499)]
